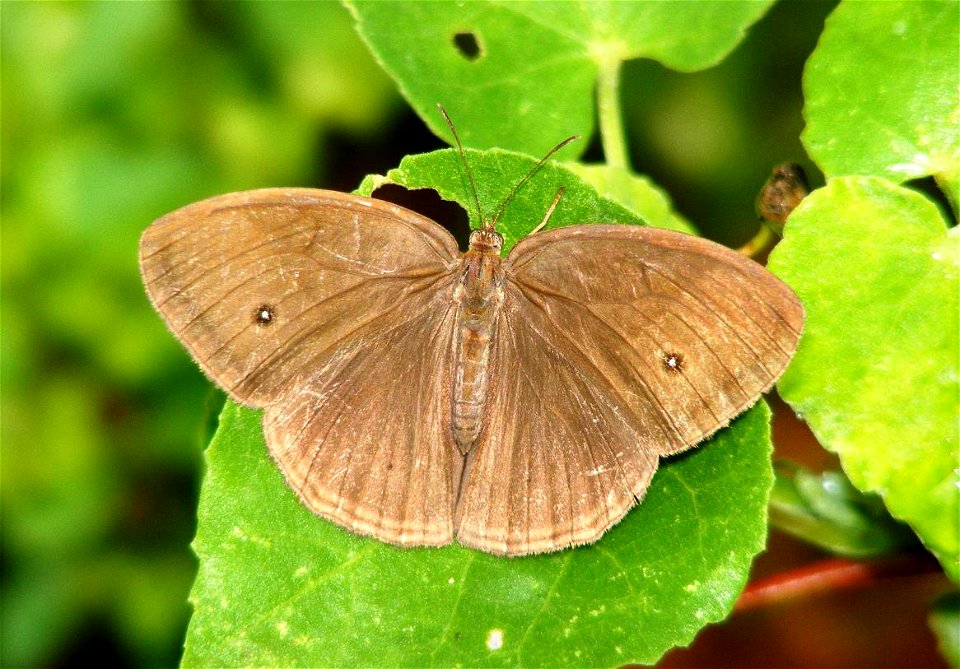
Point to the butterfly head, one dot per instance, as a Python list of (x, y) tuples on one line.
[(487, 240)]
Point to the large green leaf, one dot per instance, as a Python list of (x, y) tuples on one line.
[(279, 586), (538, 62), (876, 374), (882, 92)]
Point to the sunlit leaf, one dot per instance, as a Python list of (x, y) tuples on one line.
[(531, 80), (876, 374), (882, 92)]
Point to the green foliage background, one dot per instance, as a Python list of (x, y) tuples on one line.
[(114, 114)]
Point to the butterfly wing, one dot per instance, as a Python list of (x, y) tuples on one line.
[(559, 459), (366, 440), (635, 343), (318, 261), (330, 311)]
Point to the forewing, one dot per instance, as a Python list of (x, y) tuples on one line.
[(560, 458), (366, 441), (322, 263), (684, 332)]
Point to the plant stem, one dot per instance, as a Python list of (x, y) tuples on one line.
[(760, 242), (832, 574), (608, 109)]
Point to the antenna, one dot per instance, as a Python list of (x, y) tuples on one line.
[(466, 167), (524, 180), (546, 217), (496, 217)]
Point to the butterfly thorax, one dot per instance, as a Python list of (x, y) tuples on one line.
[(478, 295)]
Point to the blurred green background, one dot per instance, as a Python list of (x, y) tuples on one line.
[(116, 113)]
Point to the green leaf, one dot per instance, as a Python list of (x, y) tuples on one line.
[(496, 173), (538, 62), (882, 94), (827, 510), (635, 192), (278, 586), (876, 373)]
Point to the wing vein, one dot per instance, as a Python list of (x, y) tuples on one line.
[(668, 423)]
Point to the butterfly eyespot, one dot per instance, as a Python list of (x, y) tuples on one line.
[(673, 362), (264, 314)]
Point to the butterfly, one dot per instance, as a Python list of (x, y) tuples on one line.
[(421, 395)]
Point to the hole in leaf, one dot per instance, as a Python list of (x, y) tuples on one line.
[(428, 203), (929, 187), (468, 46)]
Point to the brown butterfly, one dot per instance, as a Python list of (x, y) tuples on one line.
[(420, 394)]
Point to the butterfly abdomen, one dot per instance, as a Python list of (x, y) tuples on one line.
[(478, 296)]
